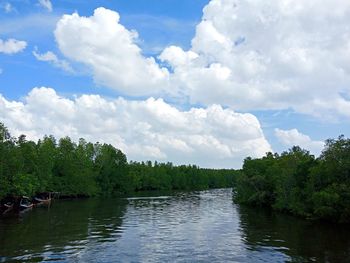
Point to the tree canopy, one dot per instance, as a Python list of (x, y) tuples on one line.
[(87, 169), (299, 183)]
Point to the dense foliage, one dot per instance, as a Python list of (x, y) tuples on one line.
[(299, 183), (86, 169)]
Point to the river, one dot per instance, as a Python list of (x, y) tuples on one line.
[(203, 226)]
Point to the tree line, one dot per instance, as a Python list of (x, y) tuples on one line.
[(298, 183), (91, 169)]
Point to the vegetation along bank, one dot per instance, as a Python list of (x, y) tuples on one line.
[(294, 182), (298, 183), (87, 169)]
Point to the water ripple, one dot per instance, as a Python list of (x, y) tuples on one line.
[(183, 227)]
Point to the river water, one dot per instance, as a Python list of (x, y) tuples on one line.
[(204, 226)]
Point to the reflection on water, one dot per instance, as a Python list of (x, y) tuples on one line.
[(182, 227), (61, 232), (300, 240)]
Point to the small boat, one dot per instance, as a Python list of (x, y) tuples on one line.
[(40, 201), (25, 203), (44, 199), (7, 207)]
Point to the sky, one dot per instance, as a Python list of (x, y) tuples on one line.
[(205, 82)]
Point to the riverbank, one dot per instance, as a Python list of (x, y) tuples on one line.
[(297, 183)]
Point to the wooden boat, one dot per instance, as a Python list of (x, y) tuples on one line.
[(25, 204), (40, 201), (7, 207), (44, 199)]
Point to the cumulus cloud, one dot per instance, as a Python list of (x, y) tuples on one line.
[(12, 46), (46, 4), (51, 57), (149, 129), (269, 55), (248, 55), (110, 50), (293, 137)]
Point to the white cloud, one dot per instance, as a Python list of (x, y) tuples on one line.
[(110, 50), (12, 46), (8, 8), (46, 4), (249, 55), (269, 55), (293, 137), (51, 57), (150, 129)]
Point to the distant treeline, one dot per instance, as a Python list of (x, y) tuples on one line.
[(298, 183), (87, 169)]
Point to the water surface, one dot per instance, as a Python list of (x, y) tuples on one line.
[(203, 226)]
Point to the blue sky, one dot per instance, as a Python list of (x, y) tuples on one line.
[(196, 95), (159, 23)]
